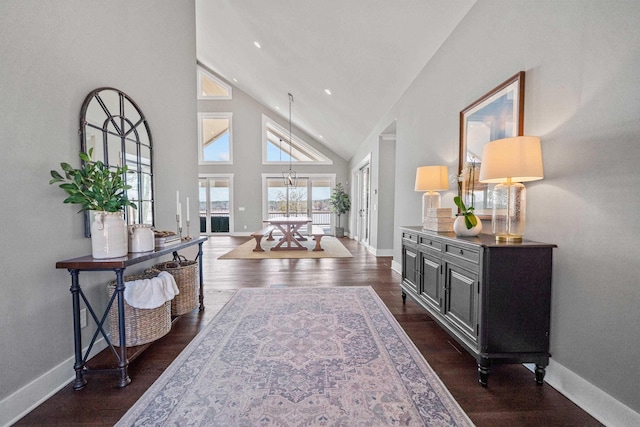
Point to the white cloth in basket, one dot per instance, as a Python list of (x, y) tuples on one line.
[(151, 293)]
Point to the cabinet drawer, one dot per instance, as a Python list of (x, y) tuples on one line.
[(410, 237), (462, 252), (430, 242)]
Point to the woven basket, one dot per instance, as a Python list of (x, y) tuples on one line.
[(142, 325), (185, 273)]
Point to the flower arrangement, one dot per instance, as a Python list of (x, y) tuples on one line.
[(467, 174), (95, 186)]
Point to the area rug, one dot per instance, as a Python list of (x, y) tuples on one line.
[(331, 245), (299, 357)]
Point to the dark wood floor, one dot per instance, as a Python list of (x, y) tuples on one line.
[(512, 398)]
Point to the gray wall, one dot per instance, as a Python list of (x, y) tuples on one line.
[(247, 167), (52, 54), (581, 60)]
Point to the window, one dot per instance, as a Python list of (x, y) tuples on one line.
[(277, 147), (215, 136), (211, 87), (309, 198)]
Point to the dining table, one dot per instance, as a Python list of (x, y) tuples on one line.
[(290, 228)]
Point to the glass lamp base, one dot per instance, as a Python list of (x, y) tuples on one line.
[(508, 216), (430, 199)]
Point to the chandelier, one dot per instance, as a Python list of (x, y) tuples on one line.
[(290, 177)]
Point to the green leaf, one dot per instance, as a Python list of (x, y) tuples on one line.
[(460, 204)]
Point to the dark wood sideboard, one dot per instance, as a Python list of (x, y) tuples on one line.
[(117, 265), (493, 298)]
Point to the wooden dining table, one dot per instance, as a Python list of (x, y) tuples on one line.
[(290, 228)]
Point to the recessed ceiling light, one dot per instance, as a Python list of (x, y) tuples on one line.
[(256, 44), (235, 80), (327, 91), (320, 136), (277, 108)]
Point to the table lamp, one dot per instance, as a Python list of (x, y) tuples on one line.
[(431, 179), (509, 162)]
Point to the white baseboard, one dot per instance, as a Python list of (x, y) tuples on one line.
[(396, 266), (590, 398), (25, 400), (380, 252)]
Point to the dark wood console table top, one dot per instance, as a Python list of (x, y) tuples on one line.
[(88, 263), (118, 265)]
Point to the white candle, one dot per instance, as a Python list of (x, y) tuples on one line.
[(177, 202), (187, 208), (179, 216)]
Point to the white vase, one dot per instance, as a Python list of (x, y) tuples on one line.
[(141, 238), (109, 235), (460, 227)]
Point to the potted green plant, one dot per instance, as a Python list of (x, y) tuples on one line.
[(97, 187), (340, 204), (466, 223)]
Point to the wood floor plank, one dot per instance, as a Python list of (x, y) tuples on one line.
[(512, 398)]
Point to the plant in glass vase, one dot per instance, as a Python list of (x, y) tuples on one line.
[(103, 189), (466, 223)]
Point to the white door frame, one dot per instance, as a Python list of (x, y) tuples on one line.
[(356, 222), (207, 176)]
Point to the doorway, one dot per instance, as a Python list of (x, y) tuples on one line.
[(362, 198), (310, 197), (215, 204)]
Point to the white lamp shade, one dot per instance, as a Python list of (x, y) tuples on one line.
[(518, 158), (432, 178)]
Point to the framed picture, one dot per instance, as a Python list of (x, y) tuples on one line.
[(496, 115)]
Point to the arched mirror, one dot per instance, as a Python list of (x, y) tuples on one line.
[(112, 124)]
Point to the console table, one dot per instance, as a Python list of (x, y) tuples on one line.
[(118, 265), (493, 298)]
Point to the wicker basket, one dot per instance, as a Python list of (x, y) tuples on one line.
[(185, 273), (141, 325)]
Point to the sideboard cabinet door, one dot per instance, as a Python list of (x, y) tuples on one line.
[(410, 262)]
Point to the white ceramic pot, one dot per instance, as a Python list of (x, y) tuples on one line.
[(141, 238), (460, 227), (109, 235)]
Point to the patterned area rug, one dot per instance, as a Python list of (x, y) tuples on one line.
[(299, 357), (331, 245)]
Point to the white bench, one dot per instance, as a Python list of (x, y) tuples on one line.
[(317, 234), (258, 235)]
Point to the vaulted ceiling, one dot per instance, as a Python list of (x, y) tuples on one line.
[(365, 52)]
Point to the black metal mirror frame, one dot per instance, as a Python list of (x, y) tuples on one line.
[(502, 125), (118, 120)]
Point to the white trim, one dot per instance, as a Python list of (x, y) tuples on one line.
[(228, 176), (590, 398), (26, 399), (297, 141), (355, 193), (202, 116), (381, 252), (396, 266), (202, 71)]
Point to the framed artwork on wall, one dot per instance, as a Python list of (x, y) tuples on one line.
[(496, 115)]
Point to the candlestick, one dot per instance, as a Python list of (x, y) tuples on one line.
[(188, 233), (178, 226)]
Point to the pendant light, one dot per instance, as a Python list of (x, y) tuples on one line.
[(290, 177)]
